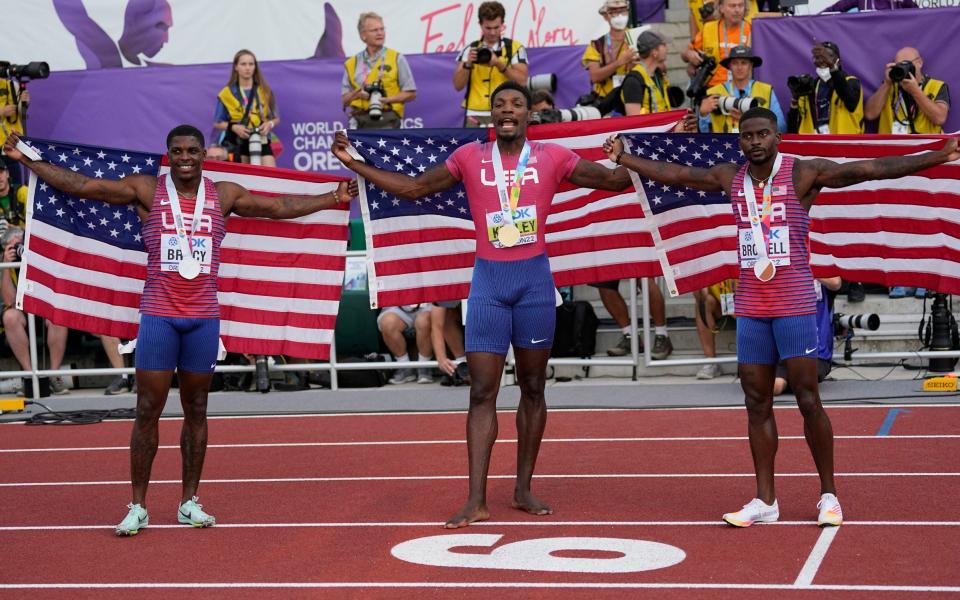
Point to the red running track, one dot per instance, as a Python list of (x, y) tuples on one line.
[(315, 506)]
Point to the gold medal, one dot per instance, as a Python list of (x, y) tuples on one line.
[(508, 235)]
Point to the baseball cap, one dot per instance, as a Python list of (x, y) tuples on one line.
[(741, 52), (648, 40), (608, 4), (3, 165), (831, 46)]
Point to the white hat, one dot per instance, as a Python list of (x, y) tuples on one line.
[(608, 4)]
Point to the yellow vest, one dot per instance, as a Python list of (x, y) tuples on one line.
[(655, 100), (723, 123), (259, 112), (6, 99), (921, 123), (696, 4), (592, 54), (711, 46), (486, 78), (390, 79), (841, 119)]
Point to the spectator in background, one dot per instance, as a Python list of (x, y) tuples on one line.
[(112, 350), (711, 304), (13, 104), (914, 103), (376, 66), (610, 57), (644, 89), (486, 63), (826, 289), (741, 62), (245, 105), (446, 331), (858, 5), (718, 38), (704, 11), (394, 323), (834, 105), (216, 152), (541, 99), (13, 200), (15, 320)]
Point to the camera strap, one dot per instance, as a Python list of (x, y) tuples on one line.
[(368, 64), (760, 218), (248, 101)]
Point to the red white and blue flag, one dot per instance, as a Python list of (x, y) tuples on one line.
[(423, 250), (279, 284)]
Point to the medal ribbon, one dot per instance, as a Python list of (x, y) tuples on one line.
[(509, 199), (185, 241), (760, 219)]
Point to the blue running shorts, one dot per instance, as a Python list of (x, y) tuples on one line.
[(511, 301), (767, 341), (168, 343)]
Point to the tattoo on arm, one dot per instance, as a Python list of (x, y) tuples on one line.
[(106, 190)]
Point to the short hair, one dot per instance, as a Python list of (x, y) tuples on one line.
[(758, 112), (364, 17), (489, 11), (185, 130), (542, 96), (511, 85)]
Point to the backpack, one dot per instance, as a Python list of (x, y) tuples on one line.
[(355, 379), (576, 331)]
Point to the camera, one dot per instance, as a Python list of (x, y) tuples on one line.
[(801, 85), (902, 70), (728, 104), (375, 107), (33, 70), (18, 248), (870, 322), (255, 147), (706, 10), (698, 83), (543, 81), (565, 115), (484, 56)]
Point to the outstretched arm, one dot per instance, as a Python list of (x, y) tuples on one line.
[(131, 189), (820, 173), (589, 174), (715, 179), (436, 179), (239, 200)]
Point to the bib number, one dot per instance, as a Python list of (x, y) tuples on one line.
[(171, 254)]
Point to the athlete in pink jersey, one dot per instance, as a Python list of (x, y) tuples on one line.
[(179, 316), (778, 319), (512, 294)]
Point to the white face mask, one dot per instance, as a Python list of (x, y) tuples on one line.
[(823, 73), (619, 21)]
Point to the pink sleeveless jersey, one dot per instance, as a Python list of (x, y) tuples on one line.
[(166, 293), (548, 166), (791, 291)]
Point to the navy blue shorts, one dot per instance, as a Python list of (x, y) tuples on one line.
[(768, 341), (511, 302), (168, 343)]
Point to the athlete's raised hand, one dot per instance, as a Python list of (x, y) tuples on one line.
[(342, 147), (613, 148)]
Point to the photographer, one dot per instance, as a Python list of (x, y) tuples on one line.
[(378, 81), (644, 90), (13, 103), (610, 57), (486, 63), (718, 38), (830, 103), (907, 101), (15, 320), (714, 113), (826, 289), (13, 200), (247, 112)]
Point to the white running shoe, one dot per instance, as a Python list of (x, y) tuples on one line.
[(830, 513), (191, 513), (755, 511), (135, 520)]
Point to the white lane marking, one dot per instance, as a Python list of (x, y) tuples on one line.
[(507, 441), (819, 552), (460, 477)]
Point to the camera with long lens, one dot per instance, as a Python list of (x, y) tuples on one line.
[(902, 70), (698, 83), (706, 10), (729, 104), (484, 56), (32, 70), (375, 106), (255, 146), (565, 115), (842, 322), (542, 81), (801, 85)]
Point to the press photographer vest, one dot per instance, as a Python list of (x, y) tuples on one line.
[(233, 101), (390, 79), (841, 119), (486, 78), (719, 49), (654, 98), (7, 96), (723, 123), (596, 51), (920, 122)]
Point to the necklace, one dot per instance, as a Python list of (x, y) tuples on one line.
[(759, 181)]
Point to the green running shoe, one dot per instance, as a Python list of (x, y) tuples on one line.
[(191, 513), (135, 520)]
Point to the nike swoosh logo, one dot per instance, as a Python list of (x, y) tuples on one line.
[(164, 202), (533, 341), (809, 350), (485, 162)]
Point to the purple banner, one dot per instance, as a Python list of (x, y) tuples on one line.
[(867, 41), (649, 11), (135, 108)]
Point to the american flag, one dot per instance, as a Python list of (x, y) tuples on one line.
[(893, 232), (423, 251), (279, 283)]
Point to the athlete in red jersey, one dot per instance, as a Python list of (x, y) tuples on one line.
[(178, 302), (781, 325)]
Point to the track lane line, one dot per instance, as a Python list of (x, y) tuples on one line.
[(816, 557)]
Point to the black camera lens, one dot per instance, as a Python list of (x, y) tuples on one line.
[(484, 55), (19, 249), (707, 10), (901, 70)]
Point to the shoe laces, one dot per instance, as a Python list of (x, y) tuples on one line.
[(833, 505)]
